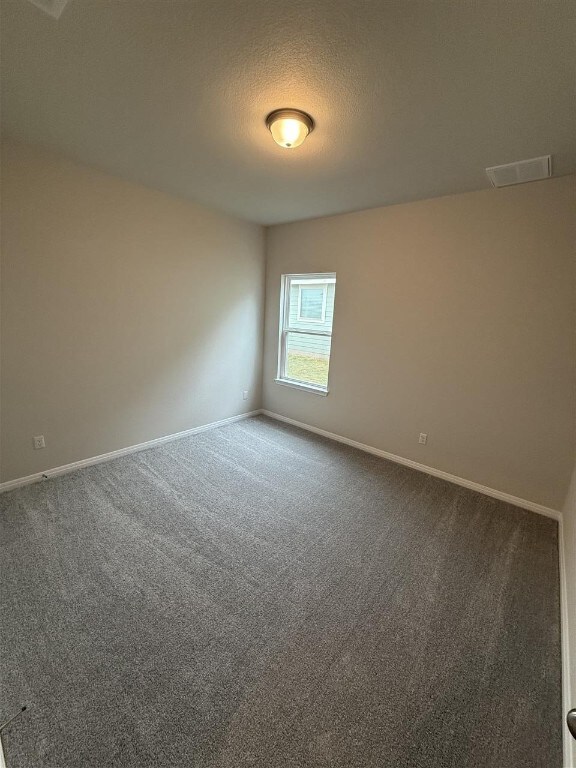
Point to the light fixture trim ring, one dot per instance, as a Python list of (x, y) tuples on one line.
[(295, 114)]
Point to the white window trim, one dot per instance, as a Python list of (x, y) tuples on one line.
[(322, 318), (302, 385), (284, 327)]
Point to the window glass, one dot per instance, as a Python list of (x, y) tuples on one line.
[(312, 303)]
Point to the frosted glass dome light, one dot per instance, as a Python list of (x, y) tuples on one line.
[(289, 127)]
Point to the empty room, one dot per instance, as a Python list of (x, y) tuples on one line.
[(288, 384)]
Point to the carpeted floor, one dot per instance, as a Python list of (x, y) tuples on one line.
[(258, 596)]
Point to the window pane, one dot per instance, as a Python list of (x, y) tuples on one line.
[(307, 358), (311, 303)]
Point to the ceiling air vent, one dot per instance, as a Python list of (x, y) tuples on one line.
[(52, 7), (520, 172)]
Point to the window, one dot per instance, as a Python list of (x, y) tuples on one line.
[(312, 303), (306, 312)]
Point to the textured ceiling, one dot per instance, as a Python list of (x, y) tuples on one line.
[(412, 98)]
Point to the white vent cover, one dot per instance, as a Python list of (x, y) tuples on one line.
[(518, 173), (52, 7)]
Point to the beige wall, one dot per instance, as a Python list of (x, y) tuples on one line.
[(455, 317), (126, 314), (569, 525)]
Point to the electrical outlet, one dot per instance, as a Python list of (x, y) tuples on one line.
[(245, 395), (423, 439), (39, 442)]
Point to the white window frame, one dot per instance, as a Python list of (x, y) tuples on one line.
[(311, 284), (284, 326)]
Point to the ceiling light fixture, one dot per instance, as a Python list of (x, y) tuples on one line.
[(289, 127)]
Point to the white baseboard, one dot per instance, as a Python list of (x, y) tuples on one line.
[(38, 476), (518, 502)]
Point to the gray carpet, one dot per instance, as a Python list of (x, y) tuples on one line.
[(258, 596)]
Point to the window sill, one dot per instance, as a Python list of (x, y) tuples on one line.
[(306, 387)]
